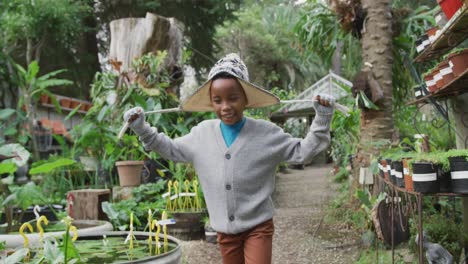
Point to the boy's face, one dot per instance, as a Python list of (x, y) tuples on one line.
[(228, 100)]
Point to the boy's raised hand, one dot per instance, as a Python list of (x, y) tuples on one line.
[(324, 104), (136, 119)]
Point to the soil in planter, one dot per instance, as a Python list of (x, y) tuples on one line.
[(113, 250), (459, 174), (425, 178)]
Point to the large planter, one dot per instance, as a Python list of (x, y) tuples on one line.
[(425, 177), (407, 176), (173, 256), (211, 236), (85, 227), (398, 167), (458, 61), (459, 174), (444, 180), (129, 172), (450, 7), (188, 225)]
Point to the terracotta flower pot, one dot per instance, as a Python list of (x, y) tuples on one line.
[(129, 172), (431, 33), (74, 104), (438, 80), (430, 83), (83, 107), (446, 71), (450, 7), (66, 103), (44, 99), (458, 61), (408, 179)]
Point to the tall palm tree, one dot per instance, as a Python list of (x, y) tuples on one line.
[(376, 43)]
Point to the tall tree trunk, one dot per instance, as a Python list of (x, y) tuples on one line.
[(376, 46)]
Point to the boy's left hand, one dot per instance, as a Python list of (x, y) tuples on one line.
[(324, 104)]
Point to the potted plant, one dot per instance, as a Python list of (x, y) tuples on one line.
[(419, 91), (430, 82), (185, 203), (132, 155), (458, 162), (407, 177), (439, 81), (422, 42), (440, 18), (65, 103), (450, 7), (210, 234), (432, 33), (458, 60), (425, 173), (446, 72)]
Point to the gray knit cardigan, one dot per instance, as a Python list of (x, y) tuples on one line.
[(238, 181)]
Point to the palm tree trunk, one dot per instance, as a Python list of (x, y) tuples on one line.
[(376, 46)]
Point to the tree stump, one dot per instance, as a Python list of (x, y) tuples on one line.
[(133, 37), (86, 204)]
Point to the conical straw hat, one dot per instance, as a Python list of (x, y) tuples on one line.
[(200, 100)]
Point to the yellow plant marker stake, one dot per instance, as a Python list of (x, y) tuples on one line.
[(164, 217), (156, 235), (41, 219), (75, 233), (150, 228), (131, 230), (26, 240), (196, 199), (168, 200), (175, 204), (187, 200)]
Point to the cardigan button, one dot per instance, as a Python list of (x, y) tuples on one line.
[(228, 187), (227, 156), (231, 218)]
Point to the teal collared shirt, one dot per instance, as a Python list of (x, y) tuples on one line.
[(230, 132)]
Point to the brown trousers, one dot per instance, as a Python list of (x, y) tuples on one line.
[(253, 246)]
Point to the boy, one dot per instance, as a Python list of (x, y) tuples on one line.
[(235, 157)]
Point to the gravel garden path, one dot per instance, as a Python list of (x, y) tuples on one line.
[(301, 234)]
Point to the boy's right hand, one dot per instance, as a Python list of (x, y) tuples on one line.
[(136, 119)]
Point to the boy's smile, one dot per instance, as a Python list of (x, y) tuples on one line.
[(228, 100)]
